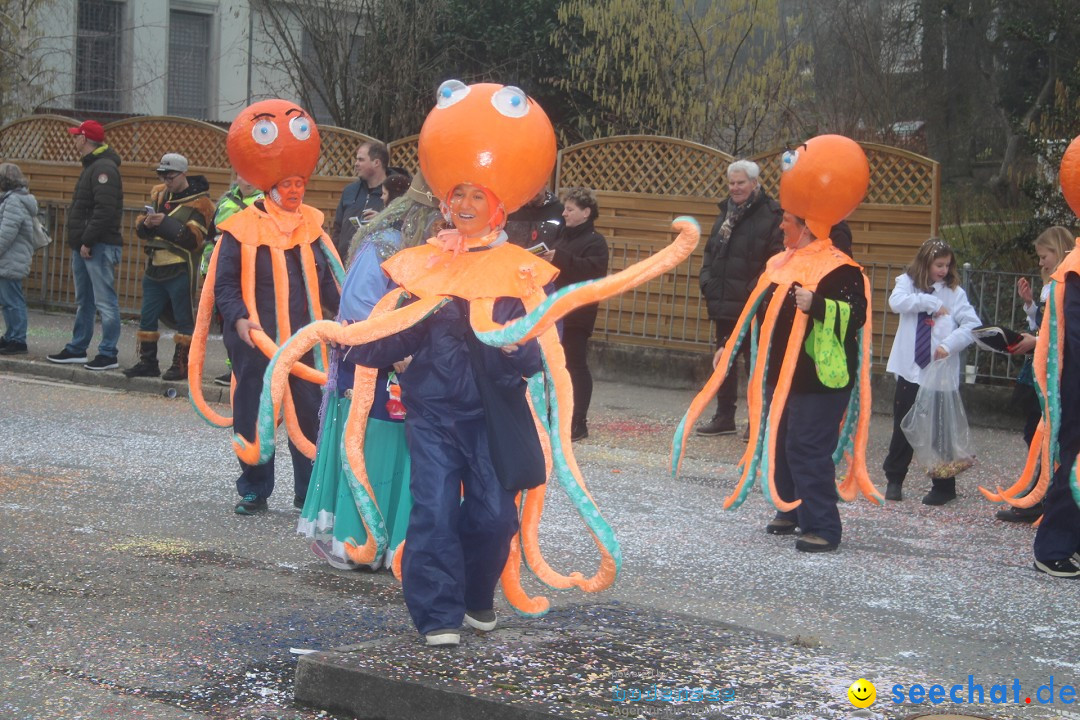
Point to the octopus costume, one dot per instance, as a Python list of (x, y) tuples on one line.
[(824, 354), (277, 268), (1057, 376), (495, 138), (330, 516)]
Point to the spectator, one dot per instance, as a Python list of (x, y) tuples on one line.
[(580, 253), (17, 211), (173, 235), (538, 221), (362, 196), (744, 236), (93, 233), (936, 322), (394, 186)]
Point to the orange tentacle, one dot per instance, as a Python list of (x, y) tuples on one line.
[(780, 396), (1026, 475), (311, 281), (355, 426), (197, 353), (296, 434)]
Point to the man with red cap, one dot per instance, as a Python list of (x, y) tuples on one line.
[(93, 233)]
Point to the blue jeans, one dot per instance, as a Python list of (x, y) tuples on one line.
[(14, 304), (95, 292), (157, 294)]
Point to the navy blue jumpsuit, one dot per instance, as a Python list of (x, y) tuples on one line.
[(455, 549)]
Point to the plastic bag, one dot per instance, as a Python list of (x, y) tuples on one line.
[(937, 426)]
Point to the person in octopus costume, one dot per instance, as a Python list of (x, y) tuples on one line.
[(273, 268), (1056, 442), (808, 322), (484, 149)]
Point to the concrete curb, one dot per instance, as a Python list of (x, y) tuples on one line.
[(78, 375)]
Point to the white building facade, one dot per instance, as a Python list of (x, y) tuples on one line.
[(203, 59)]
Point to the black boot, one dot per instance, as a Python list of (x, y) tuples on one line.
[(148, 364), (178, 370), (944, 491), (894, 490), (719, 425)]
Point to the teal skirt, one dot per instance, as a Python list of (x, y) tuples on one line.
[(330, 516)]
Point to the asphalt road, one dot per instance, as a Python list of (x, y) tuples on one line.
[(130, 590)]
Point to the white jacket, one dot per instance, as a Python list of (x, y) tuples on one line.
[(951, 331)]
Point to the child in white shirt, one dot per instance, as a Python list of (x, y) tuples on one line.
[(927, 294)]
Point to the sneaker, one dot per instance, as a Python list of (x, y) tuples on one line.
[(13, 348), (250, 504), (440, 638), (298, 502), (64, 357), (578, 432), (781, 526), (3, 342), (894, 491), (324, 552), (1058, 568), (810, 543), (717, 426), (482, 620), (224, 380), (1020, 515), (102, 362)]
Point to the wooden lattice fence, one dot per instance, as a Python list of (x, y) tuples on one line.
[(642, 184)]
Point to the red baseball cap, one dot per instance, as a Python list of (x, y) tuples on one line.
[(90, 129)]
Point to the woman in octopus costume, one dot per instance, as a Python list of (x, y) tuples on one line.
[(274, 268), (809, 389), (495, 141), (1056, 441)]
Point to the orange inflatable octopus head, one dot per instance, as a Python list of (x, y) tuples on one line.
[(272, 140), (1070, 175), (489, 135), (823, 181)]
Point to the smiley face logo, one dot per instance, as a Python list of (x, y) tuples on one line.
[(862, 693)]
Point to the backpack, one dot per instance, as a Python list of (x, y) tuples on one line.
[(41, 238)]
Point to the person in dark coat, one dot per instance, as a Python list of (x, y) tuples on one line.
[(538, 221), (18, 208), (745, 235), (361, 200), (580, 253), (93, 233)]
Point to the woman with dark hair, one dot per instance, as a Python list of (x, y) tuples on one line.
[(394, 187), (17, 211), (580, 253)]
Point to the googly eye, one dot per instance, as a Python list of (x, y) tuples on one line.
[(511, 102), (450, 92), (264, 131), (788, 160), (300, 127)]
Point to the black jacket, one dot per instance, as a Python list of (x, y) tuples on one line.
[(730, 270), (535, 222), (581, 253), (355, 199), (97, 205)]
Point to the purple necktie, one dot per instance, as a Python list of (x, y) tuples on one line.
[(922, 339)]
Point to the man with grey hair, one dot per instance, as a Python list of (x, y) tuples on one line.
[(745, 235)]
